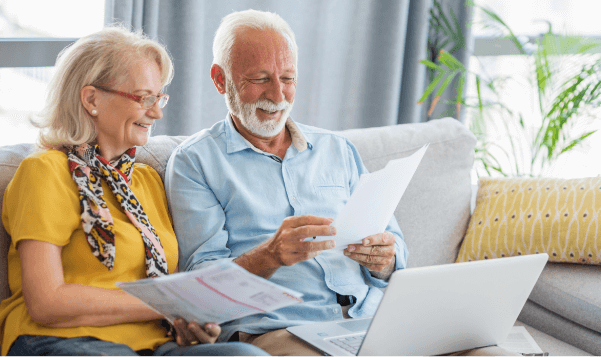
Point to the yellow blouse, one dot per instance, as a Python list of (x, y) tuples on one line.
[(42, 203)]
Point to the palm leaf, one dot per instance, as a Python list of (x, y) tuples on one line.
[(577, 141), (431, 87)]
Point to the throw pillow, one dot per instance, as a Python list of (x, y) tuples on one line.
[(519, 216)]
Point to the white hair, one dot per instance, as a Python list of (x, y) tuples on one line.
[(225, 36), (100, 59)]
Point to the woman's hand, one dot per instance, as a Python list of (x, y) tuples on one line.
[(192, 333)]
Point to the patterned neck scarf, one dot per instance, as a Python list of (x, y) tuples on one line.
[(88, 168)]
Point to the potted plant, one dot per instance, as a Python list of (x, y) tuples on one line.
[(567, 81)]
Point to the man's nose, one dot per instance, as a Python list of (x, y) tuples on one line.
[(275, 91)]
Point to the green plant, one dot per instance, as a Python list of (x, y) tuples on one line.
[(566, 78), (445, 32)]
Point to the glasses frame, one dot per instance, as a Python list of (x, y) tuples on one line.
[(138, 98)]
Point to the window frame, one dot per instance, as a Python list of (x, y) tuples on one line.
[(494, 46)]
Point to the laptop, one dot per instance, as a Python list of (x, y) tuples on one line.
[(435, 310)]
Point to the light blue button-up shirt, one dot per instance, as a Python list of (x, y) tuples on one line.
[(227, 197)]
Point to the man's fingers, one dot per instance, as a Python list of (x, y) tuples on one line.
[(379, 250), (300, 233), (366, 259), (319, 246), (385, 238), (306, 220)]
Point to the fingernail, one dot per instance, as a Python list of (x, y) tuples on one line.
[(331, 220), (346, 252), (351, 248), (332, 230), (366, 242), (210, 326)]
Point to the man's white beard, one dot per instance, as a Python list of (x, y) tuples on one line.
[(247, 112)]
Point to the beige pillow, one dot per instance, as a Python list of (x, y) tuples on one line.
[(541, 215)]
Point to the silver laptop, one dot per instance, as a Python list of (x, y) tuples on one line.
[(435, 310)]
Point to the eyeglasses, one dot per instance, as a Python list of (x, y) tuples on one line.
[(147, 101)]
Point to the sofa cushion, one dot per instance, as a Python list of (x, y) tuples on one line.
[(435, 209), (571, 291), (536, 215), (157, 151), (561, 328)]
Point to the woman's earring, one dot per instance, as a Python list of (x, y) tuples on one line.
[(94, 112)]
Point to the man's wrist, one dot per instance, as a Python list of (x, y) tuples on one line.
[(259, 262), (385, 274)]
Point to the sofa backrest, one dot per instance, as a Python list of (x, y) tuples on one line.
[(10, 158), (433, 213)]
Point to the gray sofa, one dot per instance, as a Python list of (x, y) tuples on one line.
[(563, 313)]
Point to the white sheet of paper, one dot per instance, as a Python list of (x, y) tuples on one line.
[(373, 202), (219, 293)]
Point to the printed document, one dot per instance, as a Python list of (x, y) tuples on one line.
[(372, 203), (219, 293)]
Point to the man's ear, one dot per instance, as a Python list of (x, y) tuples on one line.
[(88, 98), (218, 77)]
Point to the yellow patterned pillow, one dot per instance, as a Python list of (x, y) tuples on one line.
[(528, 216)]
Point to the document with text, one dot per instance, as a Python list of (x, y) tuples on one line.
[(218, 293), (372, 203)]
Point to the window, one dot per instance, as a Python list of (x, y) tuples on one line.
[(32, 33), (496, 57)]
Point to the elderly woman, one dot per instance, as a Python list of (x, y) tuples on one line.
[(82, 215)]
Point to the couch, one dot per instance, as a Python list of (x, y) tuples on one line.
[(563, 313)]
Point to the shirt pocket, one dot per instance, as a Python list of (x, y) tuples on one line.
[(330, 190)]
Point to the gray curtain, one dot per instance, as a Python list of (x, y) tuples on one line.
[(358, 59)]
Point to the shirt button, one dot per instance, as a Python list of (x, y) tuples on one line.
[(335, 309), (293, 198)]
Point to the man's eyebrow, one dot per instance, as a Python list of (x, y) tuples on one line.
[(251, 74)]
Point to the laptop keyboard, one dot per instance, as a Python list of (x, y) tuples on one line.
[(350, 344)]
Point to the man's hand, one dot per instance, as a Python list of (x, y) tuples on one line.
[(287, 246), (187, 334), (376, 254)]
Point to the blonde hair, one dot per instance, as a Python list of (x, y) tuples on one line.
[(225, 36), (100, 59)]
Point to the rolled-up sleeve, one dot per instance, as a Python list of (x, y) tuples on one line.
[(198, 217)]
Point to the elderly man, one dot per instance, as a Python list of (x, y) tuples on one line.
[(256, 185)]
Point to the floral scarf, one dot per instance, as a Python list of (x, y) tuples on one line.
[(88, 168)]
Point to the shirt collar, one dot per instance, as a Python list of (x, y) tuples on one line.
[(236, 142)]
